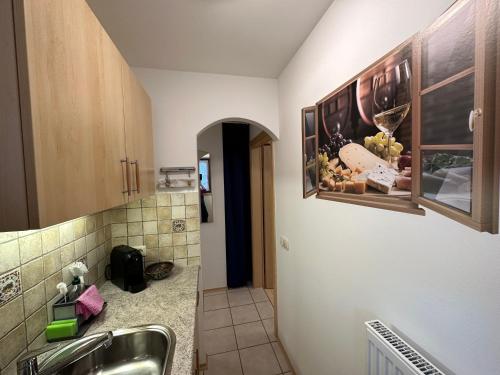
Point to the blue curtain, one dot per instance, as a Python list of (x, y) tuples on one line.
[(236, 153)]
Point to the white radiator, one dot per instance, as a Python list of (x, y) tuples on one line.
[(389, 354)]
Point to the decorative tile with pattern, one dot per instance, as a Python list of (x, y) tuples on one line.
[(179, 226), (10, 286)]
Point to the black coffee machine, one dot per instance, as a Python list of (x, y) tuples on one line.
[(127, 269)]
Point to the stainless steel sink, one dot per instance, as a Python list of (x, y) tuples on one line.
[(145, 350)]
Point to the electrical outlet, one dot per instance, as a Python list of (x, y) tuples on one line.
[(285, 244)]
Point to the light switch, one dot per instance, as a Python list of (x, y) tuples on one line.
[(285, 244)]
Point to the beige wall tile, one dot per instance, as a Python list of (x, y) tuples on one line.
[(52, 262), (101, 237), (79, 228), (66, 275), (165, 239), (177, 199), (67, 254), (151, 241), (12, 314), (118, 216), (165, 226), (50, 312), (8, 236), (30, 247), (101, 268), (118, 230), (99, 220), (106, 217), (35, 324), (91, 241), (149, 213), (193, 238), (178, 212), (193, 224), (50, 239), (92, 258), (180, 252), (179, 239), (134, 204), (149, 202), (119, 241), (136, 241), (101, 252), (166, 253), (66, 233), (9, 256), (12, 345), (194, 250), (192, 212), (50, 285), (191, 198), (163, 199), (32, 273), (150, 227), (180, 262), (80, 248), (134, 215), (153, 255), (194, 261), (90, 224), (34, 298), (164, 213), (38, 343), (134, 229), (92, 275)]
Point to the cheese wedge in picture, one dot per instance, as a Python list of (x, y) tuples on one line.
[(356, 156), (382, 178)]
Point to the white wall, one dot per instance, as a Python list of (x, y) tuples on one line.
[(435, 281), (184, 103), (213, 235)]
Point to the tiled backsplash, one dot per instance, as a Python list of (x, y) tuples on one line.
[(32, 263)]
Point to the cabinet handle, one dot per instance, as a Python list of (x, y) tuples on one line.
[(475, 113), (127, 173), (137, 176)]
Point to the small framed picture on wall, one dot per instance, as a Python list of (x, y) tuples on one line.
[(309, 168)]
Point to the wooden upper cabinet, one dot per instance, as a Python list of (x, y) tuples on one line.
[(454, 113), (63, 141), (139, 136)]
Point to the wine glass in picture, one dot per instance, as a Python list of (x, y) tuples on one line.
[(391, 100)]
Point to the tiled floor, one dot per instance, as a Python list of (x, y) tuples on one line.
[(239, 334)]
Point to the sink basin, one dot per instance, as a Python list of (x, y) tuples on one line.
[(145, 350)]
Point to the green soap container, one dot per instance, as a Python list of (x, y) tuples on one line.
[(61, 329)]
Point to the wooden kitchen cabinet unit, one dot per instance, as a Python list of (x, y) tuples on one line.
[(68, 135)]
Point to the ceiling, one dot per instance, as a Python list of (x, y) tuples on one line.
[(241, 37)]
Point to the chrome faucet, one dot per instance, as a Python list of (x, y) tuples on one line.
[(28, 363)]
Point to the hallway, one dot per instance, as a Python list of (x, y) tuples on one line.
[(239, 334)]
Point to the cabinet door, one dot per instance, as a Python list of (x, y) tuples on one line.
[(62, 111), (455, 64), (112, 174), (138, 135)]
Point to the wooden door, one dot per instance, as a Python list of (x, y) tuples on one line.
[(138, 136), (454, 113), (58, 55), (262, 206), (112, 174)]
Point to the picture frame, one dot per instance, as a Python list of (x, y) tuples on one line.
[(309, 152)]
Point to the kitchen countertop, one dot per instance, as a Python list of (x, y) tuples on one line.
[(170, 302)]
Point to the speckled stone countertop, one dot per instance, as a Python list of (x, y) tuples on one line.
[(170, 302)]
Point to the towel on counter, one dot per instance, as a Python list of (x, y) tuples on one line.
[(89, 303)]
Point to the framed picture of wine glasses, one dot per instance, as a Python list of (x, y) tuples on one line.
[(364, 138), (309, 166)]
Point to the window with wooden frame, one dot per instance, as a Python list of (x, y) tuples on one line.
[(309, 152), (444, 153)]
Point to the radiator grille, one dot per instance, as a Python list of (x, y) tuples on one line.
[(419, 364)]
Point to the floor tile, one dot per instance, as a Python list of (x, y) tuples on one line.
[(239, 297), (259, 360), (214, 292), (224, 364), (258, 294), (218, 301), (265, 309), (269, 327), (280, 354), (219, 340), (217, 319), (250, 334), (244, 314)]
